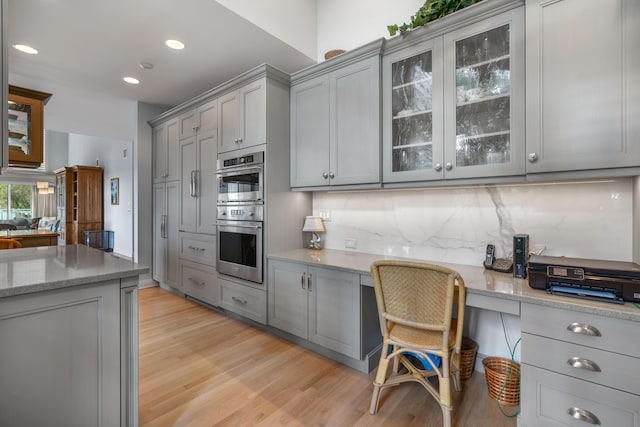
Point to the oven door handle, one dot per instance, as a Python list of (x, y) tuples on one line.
[(255, 227), (239, 170)]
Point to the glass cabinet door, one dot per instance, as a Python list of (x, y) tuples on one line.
[(412, 105), (484, 116), (25, 126)]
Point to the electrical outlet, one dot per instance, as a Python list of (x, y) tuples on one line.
[(326, 216), (350, 243)]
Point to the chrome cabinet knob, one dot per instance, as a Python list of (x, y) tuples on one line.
[(437, 167), (532, 157), (448, 166), (331, 175), (325, 175)]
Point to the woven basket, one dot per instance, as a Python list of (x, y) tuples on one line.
[(331, 53), (496, 371), (467, 358)]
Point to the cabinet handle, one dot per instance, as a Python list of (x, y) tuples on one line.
[(309, 281), (196, 281), (331, 175), (195, 248), (532, 157), (302, 281), (163, 226), (584, 329), (239, 301), (448, 166), (586, 364), (325, 175), (583, 415), (239, 140), (438, 167)]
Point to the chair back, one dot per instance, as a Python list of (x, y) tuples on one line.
[(416, 294), (9, 244)]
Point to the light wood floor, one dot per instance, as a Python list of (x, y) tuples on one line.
[(198, 367)]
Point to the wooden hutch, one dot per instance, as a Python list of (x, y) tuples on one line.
[(79, 201)]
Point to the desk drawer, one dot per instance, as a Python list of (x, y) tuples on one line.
[(548, 397), (200, 281), (617, 335), (243, 300), (598, 366), (198, 248)]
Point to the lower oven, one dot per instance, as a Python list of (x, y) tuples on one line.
[(239, 242)]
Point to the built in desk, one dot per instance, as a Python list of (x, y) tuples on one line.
[(31, 238)]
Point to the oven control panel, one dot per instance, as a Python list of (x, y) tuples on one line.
[(241, 212)]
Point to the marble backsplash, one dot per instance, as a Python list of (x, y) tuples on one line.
[(584, 219)]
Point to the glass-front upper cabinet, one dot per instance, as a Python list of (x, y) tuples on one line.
[(412, 107), (453, 106), (25, 116), (484, 98)]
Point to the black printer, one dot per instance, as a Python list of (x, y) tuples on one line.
[(610, 281)]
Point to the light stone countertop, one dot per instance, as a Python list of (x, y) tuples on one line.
[(43, 268), (478, 281)]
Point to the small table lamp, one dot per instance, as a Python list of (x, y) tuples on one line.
[(314, 225)]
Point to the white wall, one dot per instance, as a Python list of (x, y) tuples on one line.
[(292, 21), (108, 153), (83, 111), (349, 24)]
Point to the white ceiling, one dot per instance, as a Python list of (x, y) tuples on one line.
[(95, 43)]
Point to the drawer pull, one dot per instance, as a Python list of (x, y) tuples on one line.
[(196, 281), (195, 248), (586, 364), (239, 301), (583, 415), (584, 329)]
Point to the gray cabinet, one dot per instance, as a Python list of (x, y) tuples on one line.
[(166, 203), (4, 66), (197, 159), (583, 91), (165, 151), (576, 368), (197, 267), (242, 117), (317, 304), (69, 356), (335, 124), (453, 105)]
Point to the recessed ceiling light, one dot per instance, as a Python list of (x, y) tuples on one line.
[(131, 80), (26, 49), (175, 44)]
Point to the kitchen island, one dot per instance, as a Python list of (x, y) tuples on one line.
[(68, 337)]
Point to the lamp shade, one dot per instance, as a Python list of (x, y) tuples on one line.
[(313, 224)]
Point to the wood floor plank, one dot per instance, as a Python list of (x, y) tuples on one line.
[(200, 368)]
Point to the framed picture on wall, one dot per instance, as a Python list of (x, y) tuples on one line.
[(115, 191)]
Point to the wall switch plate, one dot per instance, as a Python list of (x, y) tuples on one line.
[(326, 216), (350, 243)]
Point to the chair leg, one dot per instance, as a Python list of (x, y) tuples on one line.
[(381, 377), (446, 416), (373, 409), (455, 372)]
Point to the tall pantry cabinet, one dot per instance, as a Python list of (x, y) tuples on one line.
[(166, 202), (79, 202)]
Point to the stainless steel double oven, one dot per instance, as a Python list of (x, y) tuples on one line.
[(240, 216)]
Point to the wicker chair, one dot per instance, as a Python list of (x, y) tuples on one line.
[(9, 244), (415, 304)]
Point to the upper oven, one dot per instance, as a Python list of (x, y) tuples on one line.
[(241, 179)]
